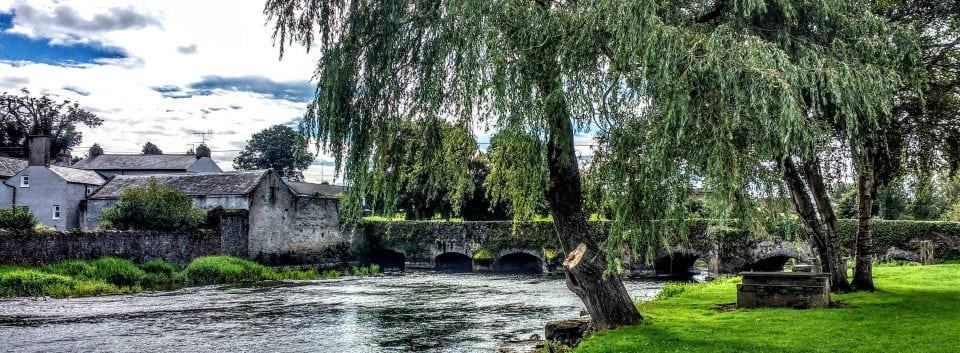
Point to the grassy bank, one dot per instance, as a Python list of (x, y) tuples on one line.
[(916, 309), (107, 275)]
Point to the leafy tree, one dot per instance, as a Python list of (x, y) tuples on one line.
[(150, 148), (17, 218), (737, 92), (24, 115), (153, 208), (279, 148), (95, 150)]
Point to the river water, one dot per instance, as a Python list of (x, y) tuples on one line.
[(413, 312)]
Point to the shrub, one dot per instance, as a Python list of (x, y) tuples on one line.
[(17, 218), (889, 233), (159, 267), (362, 271), (116, 271), (28, 282), (119, 272), (153, 208), (226, 269)]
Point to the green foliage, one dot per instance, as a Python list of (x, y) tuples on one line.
[(225, 269), (888, 233), (24, 115), (17, 218), (363, 271), (18, 282), (716, 91), (483, 255), (95, 150), (279, 148), (921, 301), (153, 208), (119, 272), (150, 148), (109, 275)]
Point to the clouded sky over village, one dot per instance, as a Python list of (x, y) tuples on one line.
[(158, 71)]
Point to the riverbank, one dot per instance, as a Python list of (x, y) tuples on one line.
[(915, 309), (108, 275)]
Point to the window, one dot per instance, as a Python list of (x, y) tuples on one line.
[(56, 211), (24, 181)]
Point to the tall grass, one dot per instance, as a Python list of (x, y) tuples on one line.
[(109, 275)]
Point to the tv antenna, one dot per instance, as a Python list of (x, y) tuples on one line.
[(204, 135)]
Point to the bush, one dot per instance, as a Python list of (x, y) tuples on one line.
[(17, 218), (226, 269), (153, 208), (889, 233), (159, 267), (28, 282), (119, 272)]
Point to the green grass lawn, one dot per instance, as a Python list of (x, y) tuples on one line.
[(916, 309)]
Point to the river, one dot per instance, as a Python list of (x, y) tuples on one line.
[(419, 311)]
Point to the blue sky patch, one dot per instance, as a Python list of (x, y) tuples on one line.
[(17, 47)]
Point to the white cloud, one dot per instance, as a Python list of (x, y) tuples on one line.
[(227, 39)]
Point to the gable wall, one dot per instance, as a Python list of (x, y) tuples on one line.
[(48, 189)]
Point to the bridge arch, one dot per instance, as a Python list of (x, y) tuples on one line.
[(678, 262), (453, 262), (389, 260), (772, 257), (518, 261)]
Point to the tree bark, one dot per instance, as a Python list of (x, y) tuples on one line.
[(605, 297), (863, 271), (814, 176), (830, 261)]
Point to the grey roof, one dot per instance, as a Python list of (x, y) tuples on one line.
[(78, 176), (11, 166), (137, 162), (323, 190), (193, 184)]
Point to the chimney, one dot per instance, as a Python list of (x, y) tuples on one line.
[(39, 147), (202, 151)]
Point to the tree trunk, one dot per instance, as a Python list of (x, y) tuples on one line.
[(830, 261), (605, 297), (814, 176), (863, 271)]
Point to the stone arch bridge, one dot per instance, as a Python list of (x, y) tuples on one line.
[(532, 247)]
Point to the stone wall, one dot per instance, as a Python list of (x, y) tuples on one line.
[(288, 229), (30, 249)]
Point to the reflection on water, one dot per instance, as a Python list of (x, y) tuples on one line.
[(415, 312)]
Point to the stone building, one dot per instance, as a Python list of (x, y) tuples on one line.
[(281, 222), (109, 165), (8, 168), (53, 194)]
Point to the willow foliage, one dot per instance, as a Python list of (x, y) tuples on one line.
[(711, 92)]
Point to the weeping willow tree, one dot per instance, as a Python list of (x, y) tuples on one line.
[(736, 95)]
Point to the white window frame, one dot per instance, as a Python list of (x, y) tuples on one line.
[(56, 212), (24, 181)]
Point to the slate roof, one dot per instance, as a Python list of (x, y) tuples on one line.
[(11, 166), (137, 162), (193, 184), (78, 176), (311, 189)]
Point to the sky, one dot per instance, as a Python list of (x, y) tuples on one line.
[(163, 71), (159, 71)]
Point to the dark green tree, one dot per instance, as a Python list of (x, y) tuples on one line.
[(24, 115), (95, 150), (150, 148), (153, 208), (737, 92), (278, 147)]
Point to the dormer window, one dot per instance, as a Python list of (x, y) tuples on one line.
[(24, 181)]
